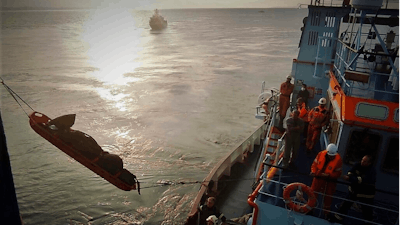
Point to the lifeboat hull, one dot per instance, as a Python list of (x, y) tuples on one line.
[(122, 179)]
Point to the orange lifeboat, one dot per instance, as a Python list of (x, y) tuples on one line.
[(83, 148)]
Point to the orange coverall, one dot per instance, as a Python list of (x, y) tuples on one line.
[(304, 116), (284, 99), (333, 169), (303, 112), (318, 118)]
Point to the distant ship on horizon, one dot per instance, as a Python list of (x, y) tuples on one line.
[(157, 22)]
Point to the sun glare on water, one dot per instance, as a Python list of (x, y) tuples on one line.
[(114, 45), (112, 95)]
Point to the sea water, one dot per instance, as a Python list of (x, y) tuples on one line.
[(170, 103)]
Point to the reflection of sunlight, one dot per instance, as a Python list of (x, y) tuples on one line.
[(122, 134), (120, 106), (117, 98), (114, 44)]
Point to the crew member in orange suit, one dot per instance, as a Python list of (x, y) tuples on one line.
[(317, 117), (284, 99), (326, 169), (303, 109)]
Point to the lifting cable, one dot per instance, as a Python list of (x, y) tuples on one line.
[(15, 96), (170, 183)]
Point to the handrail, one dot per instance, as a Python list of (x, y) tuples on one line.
[(250, 201), (330, 211), (333, 212), (337, 3), (344, 199), (272, 118), (330, 180), (279, 148), (339, 68), (325, 136)]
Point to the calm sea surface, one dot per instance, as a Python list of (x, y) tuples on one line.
[(171, 103)]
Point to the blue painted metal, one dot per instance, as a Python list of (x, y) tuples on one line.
[(320, 27), (270, 214)]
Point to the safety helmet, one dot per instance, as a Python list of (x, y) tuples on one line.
[(288, 77), (332, 149), (322, 101), (213, 219)]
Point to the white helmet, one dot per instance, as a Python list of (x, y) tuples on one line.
[(332, 149), (322, 101), (288, 77), (213, 219)]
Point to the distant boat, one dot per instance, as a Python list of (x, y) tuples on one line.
[(261, 11), (157, 22)]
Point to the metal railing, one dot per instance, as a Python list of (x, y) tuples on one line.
[(337, 3), (319, 207), (348, 58)]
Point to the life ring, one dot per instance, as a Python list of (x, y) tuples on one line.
[(303, 208)]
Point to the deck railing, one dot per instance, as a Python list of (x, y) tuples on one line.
[(366, 76), (340, 3), (267, 181)]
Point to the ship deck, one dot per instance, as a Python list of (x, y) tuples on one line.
[(232, 201)]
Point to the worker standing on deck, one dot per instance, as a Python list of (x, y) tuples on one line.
[(317, 117), (304, 94), (292, 139), (284, 98), (362, 188), (303, 109), (326, 169)]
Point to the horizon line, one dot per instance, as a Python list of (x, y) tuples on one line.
[(85, 8)]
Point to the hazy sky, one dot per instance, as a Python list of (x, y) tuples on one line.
[(165, 4), (151, 4)]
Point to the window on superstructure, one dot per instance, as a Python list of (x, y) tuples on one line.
[(396, 115), (361, 143), (330, 20), (313, 38), (327, 42), (372, 111), (315, 18), (391, 162)]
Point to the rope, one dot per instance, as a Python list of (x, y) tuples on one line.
[(15, 96), (172, 183)]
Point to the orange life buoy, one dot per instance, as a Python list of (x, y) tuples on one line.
[(303, 208)]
